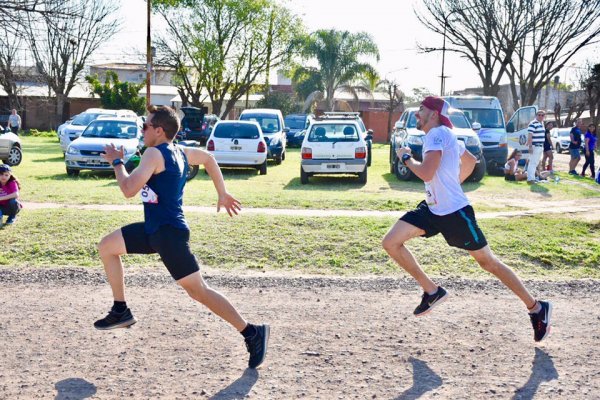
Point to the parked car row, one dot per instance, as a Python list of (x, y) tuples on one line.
[(406, 134)]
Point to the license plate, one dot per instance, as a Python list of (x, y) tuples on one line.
[(333, 166), (236, 148), (92, 161)]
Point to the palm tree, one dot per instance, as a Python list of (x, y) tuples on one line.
[(337, 54)]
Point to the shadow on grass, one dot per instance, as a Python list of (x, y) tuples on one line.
[(542, 370), (424, 380), (326, 182), (83, 176), (46, 160)]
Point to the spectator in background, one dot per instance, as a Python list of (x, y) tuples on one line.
[(548, 149), (9, 195), (535, 141), (574, 146), (512, 172), (590, 147), (14, 122)]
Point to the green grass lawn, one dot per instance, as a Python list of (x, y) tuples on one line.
[(545, 247), (44, 180)]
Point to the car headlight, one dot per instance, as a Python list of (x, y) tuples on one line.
[(72, 150), (414, 139), (274, 142), (472, 141)]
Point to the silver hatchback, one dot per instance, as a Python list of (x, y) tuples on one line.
[(10, 148)]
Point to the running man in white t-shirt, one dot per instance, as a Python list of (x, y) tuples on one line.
[(446, 210)]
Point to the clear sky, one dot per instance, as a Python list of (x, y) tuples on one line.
[(392, 23)]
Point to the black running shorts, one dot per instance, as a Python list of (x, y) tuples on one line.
[(171, 244), (459, 228)]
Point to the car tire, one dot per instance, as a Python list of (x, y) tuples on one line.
[(362, 176), (72, 172), (402, 172), (15, 156), (303, 176), (478, 172), (262, 170), (558, 148), (368, 156), (283, 156), (278, 159), (192, 172)]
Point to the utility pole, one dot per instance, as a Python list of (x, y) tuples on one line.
[(148, 55)]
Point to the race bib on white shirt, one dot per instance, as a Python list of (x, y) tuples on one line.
[(429, 195), (148, 195)]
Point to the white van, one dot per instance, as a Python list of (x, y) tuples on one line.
[(517, 129), (71, 130), (487, 112)]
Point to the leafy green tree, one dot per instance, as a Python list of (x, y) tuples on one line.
[(285, 102), (337, 54), (115, 95), (226, 46)]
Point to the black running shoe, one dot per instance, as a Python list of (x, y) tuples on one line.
[(257, 346), (428, 301), (116, 320), (541, 321)]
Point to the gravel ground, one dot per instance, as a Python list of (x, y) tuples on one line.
[(332, 338)]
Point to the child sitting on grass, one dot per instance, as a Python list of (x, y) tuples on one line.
[(9, 195)]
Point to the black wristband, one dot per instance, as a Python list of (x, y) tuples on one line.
[(117, 161), (405, 157)]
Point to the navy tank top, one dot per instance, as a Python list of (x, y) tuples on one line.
[(163, 193)]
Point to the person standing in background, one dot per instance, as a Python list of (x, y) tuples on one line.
[(574, 146), (14, 122), (590, 147), (548, 155), (535, 141)]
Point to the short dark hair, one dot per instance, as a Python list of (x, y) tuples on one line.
[(166, 118)]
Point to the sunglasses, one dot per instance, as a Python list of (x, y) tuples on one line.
[(542, 114), (145, 126)]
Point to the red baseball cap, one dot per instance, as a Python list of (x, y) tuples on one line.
[(440, 105)]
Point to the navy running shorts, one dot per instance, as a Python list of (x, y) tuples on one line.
[(459, 228), (172, 245)]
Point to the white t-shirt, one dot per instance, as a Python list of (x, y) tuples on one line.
[(443, 191)]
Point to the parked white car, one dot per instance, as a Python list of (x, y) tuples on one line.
[(238, 144), (86, 151), (72, 130), (10, 147), (561, 139), (334, 145)]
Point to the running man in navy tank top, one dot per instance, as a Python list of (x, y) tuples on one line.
[(160, 179)]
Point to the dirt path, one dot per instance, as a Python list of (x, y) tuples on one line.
[(591, 209), (331, 339)]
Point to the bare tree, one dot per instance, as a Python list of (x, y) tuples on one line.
[(61, 46), (15, 13), (485, 32), (395, 101), (9, 55), (228, 44), (590, 82), (560, 29)]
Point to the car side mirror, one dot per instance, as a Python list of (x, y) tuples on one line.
[(400, 125), (510, 127), (286, 130), (476, 126)]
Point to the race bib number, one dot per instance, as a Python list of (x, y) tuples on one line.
[(430, 195), (148, 195)]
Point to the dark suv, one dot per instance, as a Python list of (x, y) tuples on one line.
[(192, 123)]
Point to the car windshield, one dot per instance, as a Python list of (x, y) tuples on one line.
[(111, 130), (488, 118), (565, 133), (236, 131), (412, 120), (333, 133), (269, 123), (85, 118), (295, 122), (459, 120)]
